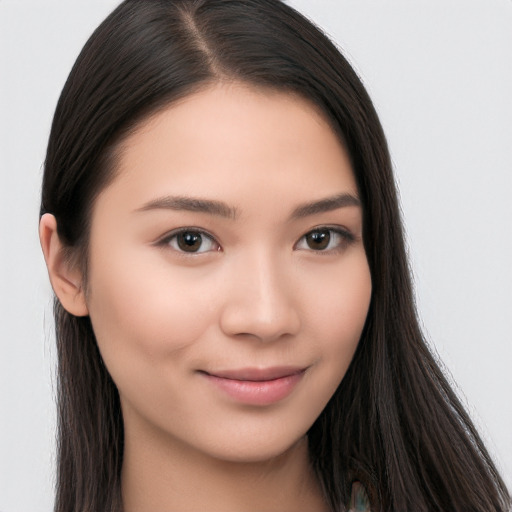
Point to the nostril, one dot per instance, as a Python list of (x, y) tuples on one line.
[(253, 322)]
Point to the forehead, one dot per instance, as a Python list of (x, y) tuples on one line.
[(228, 139)]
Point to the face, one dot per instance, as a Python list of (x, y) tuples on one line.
[(228, 283)]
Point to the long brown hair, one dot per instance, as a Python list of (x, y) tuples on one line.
[(394, 423)]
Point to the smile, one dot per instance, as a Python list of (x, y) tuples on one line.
[(254, 386)]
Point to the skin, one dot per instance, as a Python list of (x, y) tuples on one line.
[(258, 294)]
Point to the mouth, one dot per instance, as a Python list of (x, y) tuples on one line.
[(257, 374), (256, 386)]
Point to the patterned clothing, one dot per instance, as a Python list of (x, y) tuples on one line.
[(359, 501)]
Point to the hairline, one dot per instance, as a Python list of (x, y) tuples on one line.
[(110, 157)]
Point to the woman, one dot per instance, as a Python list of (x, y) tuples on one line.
[(235, 320)]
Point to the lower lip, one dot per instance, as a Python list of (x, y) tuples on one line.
[(263, 392)]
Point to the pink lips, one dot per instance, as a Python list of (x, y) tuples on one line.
[(256, 386)]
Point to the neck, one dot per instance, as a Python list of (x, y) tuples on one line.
[(167, 476)]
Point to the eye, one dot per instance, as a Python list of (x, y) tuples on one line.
[(190, 241), (325, 239)]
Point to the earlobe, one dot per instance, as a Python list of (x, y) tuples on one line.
[(65, 278)]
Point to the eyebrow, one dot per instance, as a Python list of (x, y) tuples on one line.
[(191, 204), (221, 209), (325, 205)]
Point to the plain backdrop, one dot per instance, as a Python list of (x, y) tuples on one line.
[(440, 74)]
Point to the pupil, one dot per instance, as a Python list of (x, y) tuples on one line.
[(189, 241), (318, 240)]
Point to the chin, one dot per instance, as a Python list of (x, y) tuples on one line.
[(259, 450)]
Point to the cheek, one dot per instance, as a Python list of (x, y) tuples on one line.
[(339, 304), (338, 315), (139, 309)]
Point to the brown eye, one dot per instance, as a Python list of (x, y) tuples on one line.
[(325, 240), (318, 240), (190, 241)]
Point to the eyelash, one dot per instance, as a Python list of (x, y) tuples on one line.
[(346, 239), (173, 236)]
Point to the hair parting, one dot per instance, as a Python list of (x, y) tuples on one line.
[(394, 424)]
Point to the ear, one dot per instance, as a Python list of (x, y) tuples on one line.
[(65, 278)]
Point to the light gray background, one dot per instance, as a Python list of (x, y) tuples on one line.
[(440, 74)]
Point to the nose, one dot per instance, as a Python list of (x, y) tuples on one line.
[(259, 300)]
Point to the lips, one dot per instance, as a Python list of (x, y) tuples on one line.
[(256, 386)]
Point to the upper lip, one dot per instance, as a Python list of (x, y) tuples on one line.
[(257, 374)]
